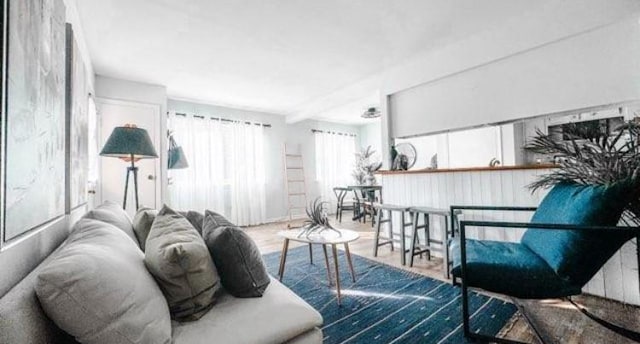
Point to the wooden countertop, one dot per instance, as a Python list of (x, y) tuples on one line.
[(472, 169)]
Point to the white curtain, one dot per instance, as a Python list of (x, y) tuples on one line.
[(226, 168), (335, 161)]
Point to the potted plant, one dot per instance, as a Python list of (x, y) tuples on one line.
[(591, 156), (318, 220)]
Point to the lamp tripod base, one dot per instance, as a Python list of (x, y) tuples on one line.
[(131, 169)]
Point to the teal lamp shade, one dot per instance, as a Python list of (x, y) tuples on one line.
[(127, 142), (177, 159)]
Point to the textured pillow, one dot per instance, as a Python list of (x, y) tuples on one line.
[(195, 218), (97, 289), (577, 254), (112, 213), (179, 260), (142, 224), (242, 271)]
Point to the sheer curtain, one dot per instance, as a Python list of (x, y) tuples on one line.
[(335, 161), (226, 168)]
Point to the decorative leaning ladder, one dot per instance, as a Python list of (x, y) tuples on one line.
[(295, 185)]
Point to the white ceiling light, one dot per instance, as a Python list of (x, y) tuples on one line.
[(371, 112)]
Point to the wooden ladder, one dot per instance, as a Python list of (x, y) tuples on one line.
[(295, 184)]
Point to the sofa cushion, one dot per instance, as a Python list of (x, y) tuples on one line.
[(278, 316), (178, 258), (97, 289), (577, 254), (195, 218), (242, 271), (142, 222), (509, 268), (112, 213)]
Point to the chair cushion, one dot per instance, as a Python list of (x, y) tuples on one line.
[(97, 289), (578, 255), (511, 269), (179, 260), (278, 316), (142, 222), (238, 259), (112, 213)]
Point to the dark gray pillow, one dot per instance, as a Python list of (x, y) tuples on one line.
[(179, 260), (112, 213), (142, 224), (195, 218), (218, 219), (237, 258)]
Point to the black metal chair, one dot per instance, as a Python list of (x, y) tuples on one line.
[(341, 194), (570, 237)]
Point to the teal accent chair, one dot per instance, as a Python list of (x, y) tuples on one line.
[(571, 236)]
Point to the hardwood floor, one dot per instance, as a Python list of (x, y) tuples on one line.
[(557, 320)]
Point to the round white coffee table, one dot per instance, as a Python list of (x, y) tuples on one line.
[(327, 237)]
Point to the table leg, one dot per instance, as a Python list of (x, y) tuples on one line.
[(326, 262), (335, 262), (346, 251), (283, 258)]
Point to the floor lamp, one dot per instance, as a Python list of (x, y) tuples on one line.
[(130, 144)]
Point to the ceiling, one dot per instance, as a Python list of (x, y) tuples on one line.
[(279, 56)]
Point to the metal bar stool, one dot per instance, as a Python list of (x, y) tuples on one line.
[(430, 244), (390, 209)]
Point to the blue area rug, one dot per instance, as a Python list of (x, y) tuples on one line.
[(386, 304)]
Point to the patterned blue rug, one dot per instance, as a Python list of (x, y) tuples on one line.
[(386, 304)]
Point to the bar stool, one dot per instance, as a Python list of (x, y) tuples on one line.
[(390, 209), (430, 244)]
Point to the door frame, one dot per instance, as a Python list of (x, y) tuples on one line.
[(159, 146)]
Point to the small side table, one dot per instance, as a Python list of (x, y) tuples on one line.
[(328, 237)]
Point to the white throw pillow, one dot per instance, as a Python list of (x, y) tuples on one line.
[(97, 289)]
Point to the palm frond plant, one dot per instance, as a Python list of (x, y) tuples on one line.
[(318, 220), (365, 169), (592, 157)]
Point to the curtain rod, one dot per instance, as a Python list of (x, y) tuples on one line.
[(224, 119), (332, 132)]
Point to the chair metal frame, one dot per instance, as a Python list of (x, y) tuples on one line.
[(341, 193), (511, 225)]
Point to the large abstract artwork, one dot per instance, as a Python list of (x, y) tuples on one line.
[(77, 124), (35, 117)]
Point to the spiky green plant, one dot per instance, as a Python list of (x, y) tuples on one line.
[(591, 157), (365, 169), (318, 221)]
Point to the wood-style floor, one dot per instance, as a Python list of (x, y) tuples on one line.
[(556, 320)]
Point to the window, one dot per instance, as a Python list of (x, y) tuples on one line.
[(335, 161), (226, 168)]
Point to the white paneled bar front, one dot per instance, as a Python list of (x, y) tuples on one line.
[(617, 280)]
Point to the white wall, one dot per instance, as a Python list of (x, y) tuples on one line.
[(593, 68), (371, 135), (297, 136)]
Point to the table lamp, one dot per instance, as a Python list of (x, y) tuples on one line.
[(130, 144)]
